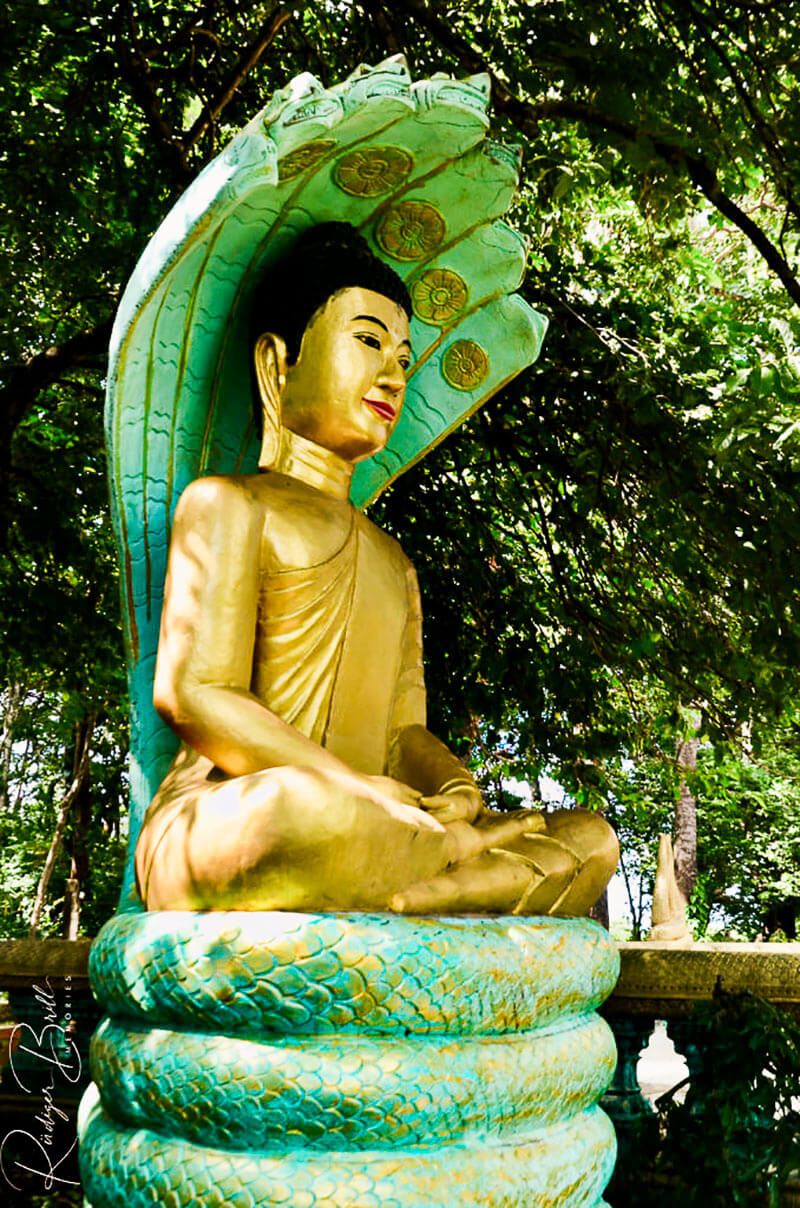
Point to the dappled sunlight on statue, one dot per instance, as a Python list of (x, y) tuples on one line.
[(290, 656)]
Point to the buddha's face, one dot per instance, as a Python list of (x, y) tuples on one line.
[(346, 389)]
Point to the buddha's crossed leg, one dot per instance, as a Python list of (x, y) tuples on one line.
[(560, 863), (303, 839)]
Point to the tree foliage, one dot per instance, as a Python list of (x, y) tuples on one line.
[(748, 830), (614, 535), (734, 1140)]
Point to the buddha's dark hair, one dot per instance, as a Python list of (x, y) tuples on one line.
[(325, 259)]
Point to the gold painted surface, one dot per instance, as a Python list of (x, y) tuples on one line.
[(303, 158), (658, 978), (410, 230), (669, 904), (372, 171), (465, 365), (290, 664), (438, 295)]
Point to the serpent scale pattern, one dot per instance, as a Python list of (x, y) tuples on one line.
[(337, 1093), (241, 972), (348, 1060), (556, 1169)]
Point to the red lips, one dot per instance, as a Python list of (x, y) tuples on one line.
[(381, 407)]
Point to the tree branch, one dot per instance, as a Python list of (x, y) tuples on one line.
[(769, 140), (26, 380), (526, 116), (375, 11), (247, 60), (35, 374), (135, 68)]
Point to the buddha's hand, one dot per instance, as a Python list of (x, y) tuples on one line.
[(389, 787), (458, 803)]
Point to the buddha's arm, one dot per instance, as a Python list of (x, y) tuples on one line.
[(417, 757), (205, 649)]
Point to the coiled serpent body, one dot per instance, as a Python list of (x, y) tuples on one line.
[(343, 1060)]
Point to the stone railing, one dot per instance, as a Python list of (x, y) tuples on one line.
[(47, 983), (657, 981), (661, 981)]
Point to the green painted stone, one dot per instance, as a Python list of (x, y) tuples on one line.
[(335, 1059), (561, 1167)]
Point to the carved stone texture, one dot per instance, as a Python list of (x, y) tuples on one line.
[(23, 963), (438, 295), (49, 995), (372, 171), (663, 982), (54, 1024), (682, 1033), (465, 365), (790, 1192), (303, 158), (410, 230), (388, 1062), (624, 1100)]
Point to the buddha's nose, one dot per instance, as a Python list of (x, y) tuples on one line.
[(393, 376)]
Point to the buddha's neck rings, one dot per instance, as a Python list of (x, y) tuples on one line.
[(314, 465)]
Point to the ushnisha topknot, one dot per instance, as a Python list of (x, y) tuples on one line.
[(324, 260)]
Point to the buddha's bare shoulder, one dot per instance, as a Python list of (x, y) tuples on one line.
[(228, 510), (214, 490), (222, 495)]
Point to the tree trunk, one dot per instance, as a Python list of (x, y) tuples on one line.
[(686, 819), (80, 777), (79, 860), (12, 702), (72, 905), (600, 910), (636, 916)]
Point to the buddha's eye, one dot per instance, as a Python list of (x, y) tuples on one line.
[(369, 339), (405, 364)]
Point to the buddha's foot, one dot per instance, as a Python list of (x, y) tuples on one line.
[(495, 881), (526, 863), (498, 881), (491, 830)]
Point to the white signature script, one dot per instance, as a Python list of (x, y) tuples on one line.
[(52, 1045)]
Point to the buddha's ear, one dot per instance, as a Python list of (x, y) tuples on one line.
[(270, 363)]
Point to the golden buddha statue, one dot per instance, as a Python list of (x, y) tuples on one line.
[(290, 657)]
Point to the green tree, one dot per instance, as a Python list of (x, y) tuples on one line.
[(748, 834), (615, 529)]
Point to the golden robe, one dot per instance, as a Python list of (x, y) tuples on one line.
[(337, 654)]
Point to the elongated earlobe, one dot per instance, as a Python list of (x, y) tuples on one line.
[(270, 362)]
